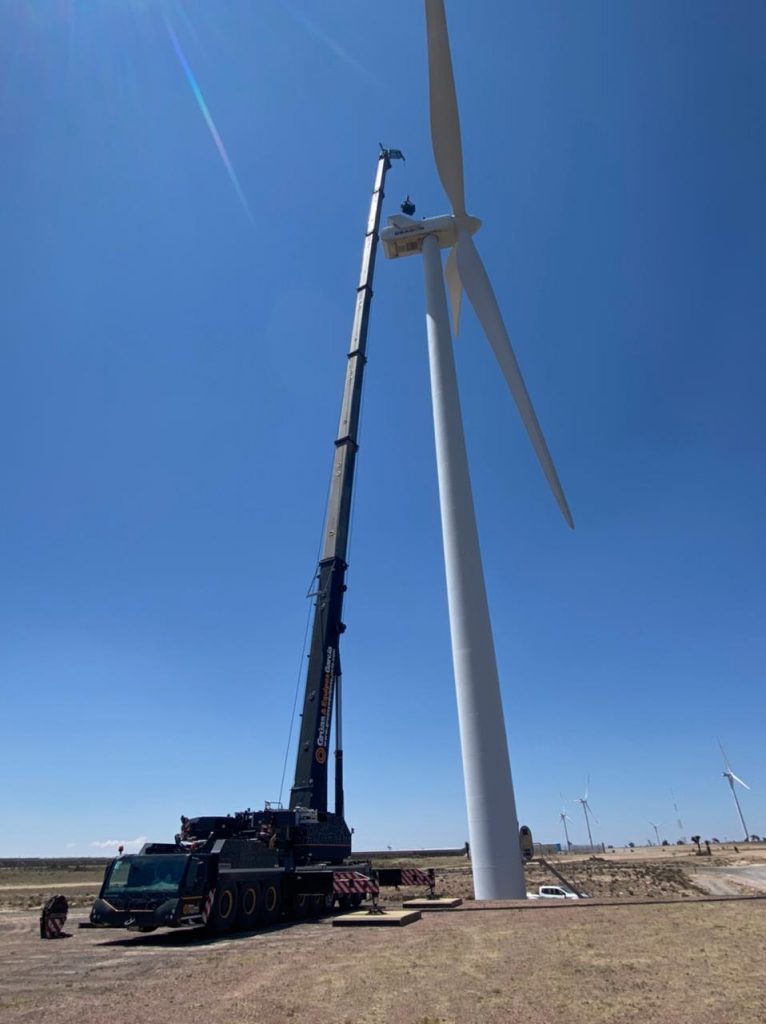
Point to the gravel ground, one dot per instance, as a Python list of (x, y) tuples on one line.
[(646, 949), (584, 963)]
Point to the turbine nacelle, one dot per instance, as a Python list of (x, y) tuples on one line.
[(404, 236), (731, 778)]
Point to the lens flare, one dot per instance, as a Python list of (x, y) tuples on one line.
[(328, 41), (197, 93)]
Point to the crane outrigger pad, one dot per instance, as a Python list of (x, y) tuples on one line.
[(435, 903), (377, 918)]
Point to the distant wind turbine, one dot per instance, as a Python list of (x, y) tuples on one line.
[(678, 814), (657, 826), (564, 819), (731, 778), (586, 808)]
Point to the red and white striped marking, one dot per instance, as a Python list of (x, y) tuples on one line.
[(53, 926), (208, 908), (414, 876), (53, 917), (347, 883)]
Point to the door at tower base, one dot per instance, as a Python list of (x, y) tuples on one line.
[(526, 843)]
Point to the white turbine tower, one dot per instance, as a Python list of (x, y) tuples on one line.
[(729, 775), (564, 819), (586, 809), (492, 822), (657, 828)]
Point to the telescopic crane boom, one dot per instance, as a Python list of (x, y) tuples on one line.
[(322, 691)]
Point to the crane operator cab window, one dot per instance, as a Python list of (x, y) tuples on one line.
[(145, 875)]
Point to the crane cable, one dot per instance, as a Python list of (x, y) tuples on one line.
[(295, 704), (311, 593), (300, 673)]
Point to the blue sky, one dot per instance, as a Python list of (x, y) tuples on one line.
[(173, 349)]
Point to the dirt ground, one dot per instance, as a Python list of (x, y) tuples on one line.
[(580, 964), (672, 956)]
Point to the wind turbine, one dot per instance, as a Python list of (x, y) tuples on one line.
[(729, 775), (498, 871), (678, 813), (564, 819), (586, 807), (657, 828)]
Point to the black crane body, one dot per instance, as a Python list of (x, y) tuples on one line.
[(252, 867)]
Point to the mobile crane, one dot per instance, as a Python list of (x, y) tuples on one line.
[(250, 868)]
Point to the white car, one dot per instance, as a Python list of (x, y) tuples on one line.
[(553, 892)]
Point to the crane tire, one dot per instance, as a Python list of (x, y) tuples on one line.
[(223, 915), (351, 902), (301, 905), (249, 911), (271, 902), (319, 905)]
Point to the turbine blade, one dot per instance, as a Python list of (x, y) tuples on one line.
[(482, 297), (739, 780), (723, 755), (454, 288), (445, 122)]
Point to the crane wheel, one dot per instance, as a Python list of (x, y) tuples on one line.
[(319, 905), (249, 912), (223, 916), (271, 902), (348, 903), (301, 905)]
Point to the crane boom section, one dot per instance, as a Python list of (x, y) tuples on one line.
[(311, 769)]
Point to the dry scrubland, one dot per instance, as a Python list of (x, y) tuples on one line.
[(676, 958)]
